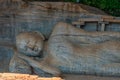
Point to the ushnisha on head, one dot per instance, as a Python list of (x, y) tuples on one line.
[(30, 43)]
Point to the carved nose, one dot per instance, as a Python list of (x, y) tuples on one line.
[(31, 47)]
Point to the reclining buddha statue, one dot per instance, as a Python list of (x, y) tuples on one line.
[(68, 50)]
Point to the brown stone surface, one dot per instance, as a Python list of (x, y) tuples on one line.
[(14, 6), (16, 76), (65, 6), (59, 6)]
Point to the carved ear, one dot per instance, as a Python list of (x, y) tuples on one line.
[(40, 35)]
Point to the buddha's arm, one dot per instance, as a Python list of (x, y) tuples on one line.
[(78, 35)]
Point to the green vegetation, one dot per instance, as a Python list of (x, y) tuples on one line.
[(70, 0), (109, 6)]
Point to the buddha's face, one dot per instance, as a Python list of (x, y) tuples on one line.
[(30, 43)]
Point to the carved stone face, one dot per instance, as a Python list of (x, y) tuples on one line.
[(30, 43)]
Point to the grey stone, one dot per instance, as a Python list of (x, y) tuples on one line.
[(97, 57)]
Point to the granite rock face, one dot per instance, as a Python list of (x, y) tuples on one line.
[(42, 16), (12, 3), (18, 16), (69, 50)]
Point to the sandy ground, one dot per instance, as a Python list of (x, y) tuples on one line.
[(16, 76)]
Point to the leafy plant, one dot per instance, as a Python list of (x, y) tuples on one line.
[(70, 0), (109, 6)]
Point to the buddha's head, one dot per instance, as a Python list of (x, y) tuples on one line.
[(30, 43)]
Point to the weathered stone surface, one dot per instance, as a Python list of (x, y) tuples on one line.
[(58, 6), (16, 5), (11, 4), (5, 57), (18, 65), (66, 6), (65, 54), (21, 17), (80, 36), (37, 16)]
